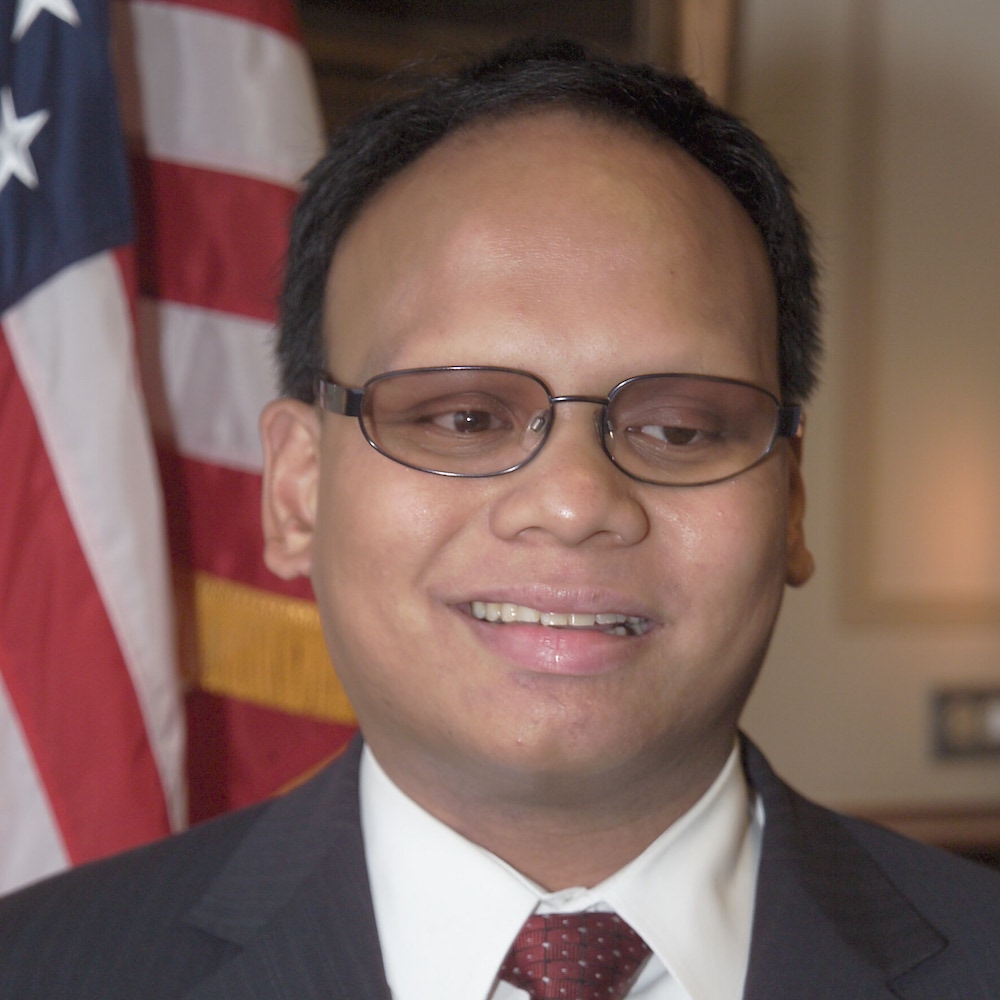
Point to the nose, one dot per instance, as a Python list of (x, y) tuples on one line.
[(570, 491)]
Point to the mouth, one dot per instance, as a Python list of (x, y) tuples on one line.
[(609, 623)]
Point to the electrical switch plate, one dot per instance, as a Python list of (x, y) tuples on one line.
[(967, 722)]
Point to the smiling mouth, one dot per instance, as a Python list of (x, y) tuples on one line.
[(610, 623)]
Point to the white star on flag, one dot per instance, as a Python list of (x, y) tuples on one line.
[(28, 10), (16, 135)]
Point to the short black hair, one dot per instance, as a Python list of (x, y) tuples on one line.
[(533, 76)]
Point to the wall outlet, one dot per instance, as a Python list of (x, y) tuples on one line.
[(966, 722)]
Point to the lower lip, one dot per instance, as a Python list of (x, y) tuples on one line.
[(569, 652)]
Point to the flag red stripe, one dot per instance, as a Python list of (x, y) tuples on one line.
[(51, 613), (210, 239), (263, 751), (264, 13), (202, 537)]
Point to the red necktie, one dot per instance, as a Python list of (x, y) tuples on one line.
[(575, 956)]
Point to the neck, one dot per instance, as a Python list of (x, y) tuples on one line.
[(559, 851), (558, 833)]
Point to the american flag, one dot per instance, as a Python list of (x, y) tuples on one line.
[(220, 120), (91, 727)]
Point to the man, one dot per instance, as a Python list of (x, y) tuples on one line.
[(546, 332)]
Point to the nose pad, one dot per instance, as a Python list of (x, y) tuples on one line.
[(541, 420), (605, 432), (599, 415), (536, 431)]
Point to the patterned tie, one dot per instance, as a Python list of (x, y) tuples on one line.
[(575, 956)]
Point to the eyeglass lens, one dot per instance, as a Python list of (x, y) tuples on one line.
[(668, 429)]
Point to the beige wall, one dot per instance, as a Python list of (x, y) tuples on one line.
[(887, 113)]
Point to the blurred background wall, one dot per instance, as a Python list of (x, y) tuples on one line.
[(887, 114)]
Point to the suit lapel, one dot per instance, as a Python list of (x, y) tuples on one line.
[(827, 921), (295, 899)]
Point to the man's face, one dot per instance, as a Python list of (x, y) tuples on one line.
[(584, 253)]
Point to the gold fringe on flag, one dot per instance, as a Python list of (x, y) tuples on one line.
[(259, 647)]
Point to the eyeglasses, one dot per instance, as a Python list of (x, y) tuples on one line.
[(474, 421)]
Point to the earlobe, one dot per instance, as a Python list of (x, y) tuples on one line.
[(289, 432), (799, 564)]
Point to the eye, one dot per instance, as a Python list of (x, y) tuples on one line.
[(464, 415), (672, 435), (466, 421), (677, 431)]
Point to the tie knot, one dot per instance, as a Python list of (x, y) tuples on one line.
[(575, 956)]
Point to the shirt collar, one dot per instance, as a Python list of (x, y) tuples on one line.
[(689, 894)]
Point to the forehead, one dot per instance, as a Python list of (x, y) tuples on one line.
[(518, 206)]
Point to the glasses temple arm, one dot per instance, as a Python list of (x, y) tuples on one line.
[(338, 398)]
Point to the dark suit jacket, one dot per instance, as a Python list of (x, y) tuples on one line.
[(273, 902)]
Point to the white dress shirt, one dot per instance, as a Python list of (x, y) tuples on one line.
[(690, 895)]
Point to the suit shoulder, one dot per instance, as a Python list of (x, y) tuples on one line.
[(128, 926), (117, 919), (919, 915), (198, 850), (937, 880)]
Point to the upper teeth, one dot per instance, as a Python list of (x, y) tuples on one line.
[(492, 611)]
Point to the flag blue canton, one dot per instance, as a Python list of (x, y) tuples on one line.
[(81, 203)]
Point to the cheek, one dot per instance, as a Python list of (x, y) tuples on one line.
[(380, 529), (732, 543), (368, 546)]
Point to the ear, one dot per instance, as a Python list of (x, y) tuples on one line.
[(799, 564), (289, 431)]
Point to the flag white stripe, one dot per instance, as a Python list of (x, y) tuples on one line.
[(71, 340), (206, 95), (217, 377), (30, 847)]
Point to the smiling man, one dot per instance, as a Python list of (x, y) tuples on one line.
[(586, 254), (547, 329)]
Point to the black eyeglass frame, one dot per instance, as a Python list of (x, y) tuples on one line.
[(345, 401)]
